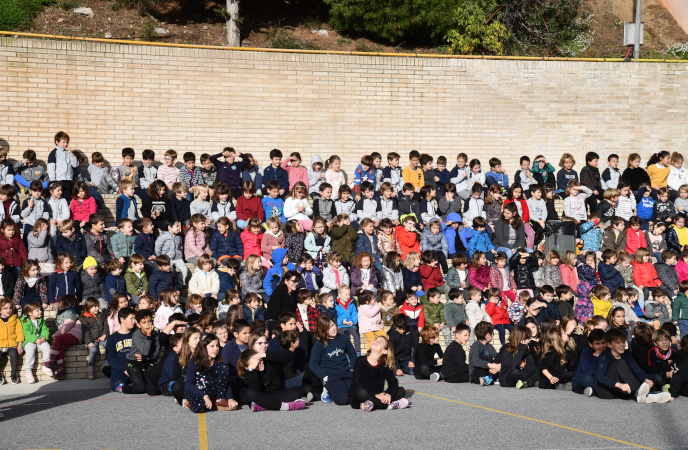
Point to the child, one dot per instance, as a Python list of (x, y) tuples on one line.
[(200, 204), (476, 175), (480, 241), (334, 275), (542, 170), (433, 313), (607, 272), (189, 175), (677, 236), (679, 311), (626, 204), (35, 208), (496, 174), (325, 305), (12, 248), (615, 237), (273, 238), (414, 311), (501, 278), (161, 277), (170, 244), (479, 272), (455, 309), (195, 243), (334, 176), (98, 241), (95, 331), (658, 169), (69, 332), (58, 206), (402, 342), (248, 205), (409, 203), (413, 174), (371, 324), (474, 206), (454, 367), (222, 203), (167, 172), (411, 273), (126, 206), (253, 308), (40, 246), (388, 309), (136, 279), (429, 175), (27, 171), (428, 212), (296, 207), (681, 203), (474, 311), (601, 301), (251, 277), (147, 173), (661, 359), (387, 239), (114, 280), (644, 274), (516, 197), (347, 315), (317, 242), (656, 241), (430, 274), (280, 266), (554, 364), (496, 308), (61, 163), (11, 338), (36, 335), (323, 205), (194, 305), (656, 309), (611, 175), (537, 209), (226, 240), (607, 209), (590, 178), (123, 241), (316, 177), (429, 355), (482, 368), (434, 241), (518, 368), (569, 273), (587, 270), (392, 173), (156, 204), (408, 237), (368, 207), (367, 242), (294, 170), (551, 272), (294, 240), (179, 204), (524, 264), (143, 355), (647, 207), (251, 238), (363, 274), (667, 274), (168, 299), (575, 201), (64, 281), (524, 176), (457, 276), (309, 274), (665, 207)]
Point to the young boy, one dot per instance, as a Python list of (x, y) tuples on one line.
[(97, 240), (482, 368), (377, 162), (474, 312), (118, 346), (126, 206), (142, 357), (273, 203), (364, 172), (147, 172), (286, 322), (114, 280), (429, 175), (136, 279), (162, 277), (590, 177), (481, 240), (433, 312), (401, 339), (220, 330), (34, 208), (275, 172), (455, 309), (656, 309), (28, 170), (253, 308), (550, 311), (96, 169), (208, 172), (619, 376), (367, 207), (61, 164), (144, 244), (525, 176), (614, 237), (345, 205), (323, 205), (316, 176), (229, 170), (412, 174), (181, 208), (70, 241), (167, 172), (388, 203), (454, 367), (189, 175), (232, 351), (416, 317), (442, 173), (666, 271), (448, 203), (611, 175), (392, 173), (11, 337), (584, 379), (170, 243), (123, 240), (496, 174)]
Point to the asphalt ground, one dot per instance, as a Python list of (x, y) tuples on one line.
[(80, 414)]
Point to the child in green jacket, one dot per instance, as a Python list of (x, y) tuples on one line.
[(433, 311), (136, 279), (36, 335), (679, 312)]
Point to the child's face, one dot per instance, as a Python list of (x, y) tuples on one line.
[(435, 300), (369, 228), (409, 226), (345, 295), (6, 310), (190, 165), (428, 165), (590, 261), (683, 193), (594, 162), (117, 272), (231, 271), (369, 193), (68, 233), (646, 194), (143, 304), (326, 193), (146, 325), (137, 267), (127, 229), (441, 167), (619, 226), (413, 300), (625, 264), (207, 267), (493, 299), (463, 266), (459, 300), (332, 332), (67, 265), (344, 196), (317, 167), (660, 299), (98, 227), (671, 261), (614, 163), (9, 231), (94, 310), (169, 161), (242, 336), (435, 229), (335, 264), (36, 194), (460, 162), (414, 162), (476, 168), (165, 268), (254, 303), (33, 271), (536, 194), (35, 314), (290, 325), (222, 335), (462, 337), (517, 193), (625, 191), (388, 301), (387, 229), (646, 258), (680, 222), (663, 197), (285, 260), (482, 260), (175, 229), (547, 296), (296, 162), (62, 143), (566, 296), (477, 297), (525, 164), (329, 303), (394, 163), (663, 344), (365, 263), (377, 162)]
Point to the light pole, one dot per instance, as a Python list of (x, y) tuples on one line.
[(636, 41)]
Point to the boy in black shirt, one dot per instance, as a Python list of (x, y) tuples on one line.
[(455, 368)]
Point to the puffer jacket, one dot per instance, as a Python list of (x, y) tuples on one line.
[(498, 312), (681, 270), (431, 276), (251, 243), (645, 275), (479, 278), (369, 244), (343, 241), (68, 323), (587, 274), (99, 246), (523, 273), (652, 307), (169, 245), (391, 281), (204, 283), (313, 249), (276, 272), (611, 240), (11, 333), (356, 281), (252, 283), (552, 276), (408, 241), (137, 285), (497, 280), (329, 282), (81, 212), (667, 275), (634, 240), (226, 244), (480, 241), (92, 286), (195, 244), (13, 250), (610, 277), (93, 327), (20, 288), (40, 247), (434, 242), (122, 246), (569, 275), (432, 312), (672, 240), (75, 247), (386, 245)]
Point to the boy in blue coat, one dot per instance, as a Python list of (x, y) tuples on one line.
[(609, 274), (347, 316), (480, 240), (114, 281), (162, 277), (456, 239), (281, 264), (367, 242), (275, 172)]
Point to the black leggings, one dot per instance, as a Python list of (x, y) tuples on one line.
[(12, 355), (515, 375), (539, 232), (177, 391), (439, 256), (423, 372), (272, 400), (141, 377), (361, 395)]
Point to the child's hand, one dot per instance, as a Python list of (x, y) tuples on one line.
[(299, 325), (554, 380), (463, 285), (139, 357), (384, 398), (30, 204), (20, 349), (439, 362), (122, 260), (400, 373), (208, 402), (656, 314), (91, 345)]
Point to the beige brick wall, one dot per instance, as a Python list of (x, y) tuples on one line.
[(108, 96)]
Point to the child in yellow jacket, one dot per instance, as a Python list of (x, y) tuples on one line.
[(11, 337)]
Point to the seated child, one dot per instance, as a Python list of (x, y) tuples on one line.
[(483, 367), (136, 279), (370, 319), (306, 311), (11, 338), (416, 318), (401, 340), (454, 366), (433, 312), (656, 309), (388, 309), (457, 277), (496, 308), (347, 315), (518, 368), (660, 359), (555, 361), (428, 355)]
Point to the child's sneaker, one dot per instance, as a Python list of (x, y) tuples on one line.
[(255, 407), (662, 397), (666, 387), (399, 404), (91, 374), (587, 392), (222, 404), (643, 390), (14, 379), (119, 387), (325, 397), (2, 379), (294, 406), (29, 377), (435, 377), (521, 384), (309, 396), (486, 380), (47, 370), (367, 406)]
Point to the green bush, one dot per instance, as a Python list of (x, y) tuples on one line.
[(18, 14), (476, 30)]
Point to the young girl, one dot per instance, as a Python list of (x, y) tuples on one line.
[(552, 213), (294, 240), (553, 363), (428, 211), (273, 238), (317, 243), (333, 175), (205, 280), (502, 279), (82, 205), (347, 315), (428, 355), (658, 169), (431, 274), (325, 305), (59, 207), (251, 238), (387, 239), (12, 247), (367, 390), (248, 205), (11, 337), (64, 281), (391, 278), (518, 367), (95, 331), (656, 241), (478, 272), (200, 204), (474, 206), (296, 207), (40, 246), (587, 270), (635, 238), (543, 171), (331, 360), (644, 273), (222, 203), (263, 389), (475, 175), (566, 173), (69, 332), (509, 233), (168, 299), (567, 268), (524, 265), (344, 238), (634, 175), (388, 309), (118, 302), (194, 305), (516, 197), (677, 236), (30, 286), (411, 273), (36, 335), (493, 205), (574, 203), (551, 271), (306, 311), (207, 379), (174, 366), (156, 205), (681, 202), (370, 318), (195, 243), (363, 274), (226, 240), (584, 309), (252, 277), (309, 274)]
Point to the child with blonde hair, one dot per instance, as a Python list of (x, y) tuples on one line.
[(36, 335), (200, 204), (296, 207), (370, 319)]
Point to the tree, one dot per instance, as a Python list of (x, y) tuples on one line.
[(476, 29), (233, 32)]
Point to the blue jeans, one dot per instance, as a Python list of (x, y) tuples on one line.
[(683, 327), (93, 353), (294, 382), (404, 366), (583, 382)]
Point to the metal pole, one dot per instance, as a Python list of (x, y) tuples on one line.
[(636, 41)]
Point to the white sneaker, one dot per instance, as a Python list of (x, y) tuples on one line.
[(643, 390), (47, 370), (399, 404), (435, 377), (587, 392), (662, 397), (29, 377)]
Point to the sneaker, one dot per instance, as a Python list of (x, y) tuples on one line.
[(399, 404), (91, 374), (486, 380), (14, 379), (666, 387), (435, 377), (325, 397), (643, 390), (256, 408), (59, 374), (29, 377), (662, 397), (309, 397), (367, 406), (119, 387), (296, 405), (521, 384), (222, 404), (107, 371), (186, 404), (587, 392), (47, 370)]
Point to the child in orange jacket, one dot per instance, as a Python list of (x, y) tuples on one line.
[(407, 236), (635, 237), (644, 273)]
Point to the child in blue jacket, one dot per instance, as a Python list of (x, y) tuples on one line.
[(64, 281), (281, 264), (456, 239), (114, 280), (480, 240), (347, 315), (226, 240)]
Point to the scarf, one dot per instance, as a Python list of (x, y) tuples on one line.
[(31, 282), (660, 355)]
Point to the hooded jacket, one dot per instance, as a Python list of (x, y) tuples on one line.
[(450, 233), (434, 242), (346, 311), (276, 272), (314, 180), (610, 277), (251, 243), (13, 250), (610, 240), (195, 244), (369, 244), (652, 307), (269, 241), (480, 241), (11, 332), (391, 281), (93, 327), (431, 277), (645, 275), (667, 275), (229, 244), (136, 285), (40, 247)]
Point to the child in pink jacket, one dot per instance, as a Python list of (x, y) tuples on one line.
[(195, 242), (682, 268), (273, 237), (295, 171), (370, 322)]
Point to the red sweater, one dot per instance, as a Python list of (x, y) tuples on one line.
[(430, 276), (249, 208), (13, 250)]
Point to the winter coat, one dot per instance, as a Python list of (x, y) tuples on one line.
[(610, 277), (432, 312), (20, 289), (251, 243), (454, 313), (408, 241), (610, 240), (569, 276), (346, 311), (40, 247), (667, 275), (652, 307), (269, 241), (136, 285), (497, 279), (93, 327), (600, 307), (587, 274), (204, 282), (160, 280), (369, 318), (98, 246), (479, 278), (294, 243), (523, 273), (11, 332), (476, 314), (34, 332), (313, 249), (387, 243), (169, 245), (13, 250), (431, 276), (411, 279), (552, 275), (195, 244), (92, 286), (226, 244), (644, 274), (356, 281), (498, 312), (275, 273), (480, 242), (251, 283), (673, 241), (144, 245), (434, 242), (681, 270), (369, 244), (343, 241), (81, 212), (634, 240), (679, 311), (415, 314), (329, 280), (500, 238), (455, 277), (63, 283), (391, 281), (591, 236), (75, 247), (122, 246)]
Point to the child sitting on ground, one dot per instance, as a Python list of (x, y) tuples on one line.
[(428, 355), (482, 368), (454, 366)]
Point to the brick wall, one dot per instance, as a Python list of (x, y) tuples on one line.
[(108, 96)]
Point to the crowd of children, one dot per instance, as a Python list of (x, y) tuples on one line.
[(290, 263)]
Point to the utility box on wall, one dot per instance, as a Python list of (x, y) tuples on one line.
[(629, 34)]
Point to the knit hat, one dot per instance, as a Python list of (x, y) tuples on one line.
[(90, 261)]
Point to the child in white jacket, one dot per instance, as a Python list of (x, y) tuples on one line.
[(574, 203), (475, 312), (334, 275), (296, 207), (205, 281), (678, 175)]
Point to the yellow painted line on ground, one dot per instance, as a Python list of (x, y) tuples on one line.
[(535, 420), (202, 432)]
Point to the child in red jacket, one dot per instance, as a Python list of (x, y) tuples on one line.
[(644, 273), (251, 238), (635, 237), (248, 205), (416, 318), (11, 246), (407, 235), (431, 275), (497, 310)]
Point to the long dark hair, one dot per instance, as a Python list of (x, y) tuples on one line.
[(654, 159), (288, 274), (200, 357), (516, 219)]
